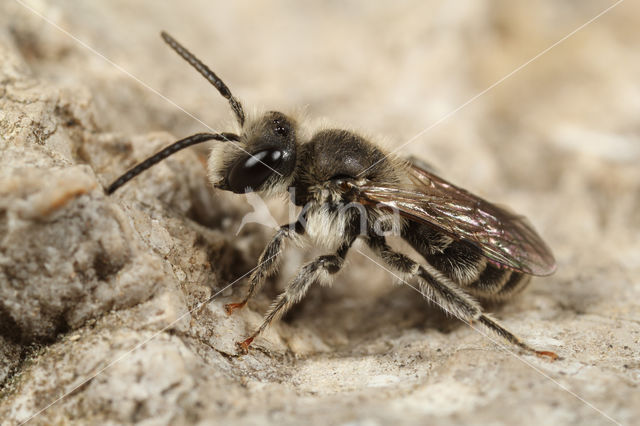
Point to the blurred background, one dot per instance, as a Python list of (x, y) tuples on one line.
[(558, 140)]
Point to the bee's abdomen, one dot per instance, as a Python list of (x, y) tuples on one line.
[(498, 283), (464, 263)]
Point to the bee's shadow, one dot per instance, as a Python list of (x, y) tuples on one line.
[(388, 314)]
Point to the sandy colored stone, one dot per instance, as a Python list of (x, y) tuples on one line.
[(115, 303)]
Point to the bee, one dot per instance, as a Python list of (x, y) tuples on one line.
[(473, 250)]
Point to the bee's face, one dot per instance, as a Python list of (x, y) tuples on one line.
[(266, 159)]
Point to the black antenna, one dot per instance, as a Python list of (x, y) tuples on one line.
[(236, 106), (171, 149)]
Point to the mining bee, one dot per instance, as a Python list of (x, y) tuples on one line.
[(473, 250)]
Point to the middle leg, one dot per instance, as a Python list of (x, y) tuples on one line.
[(319, 269)]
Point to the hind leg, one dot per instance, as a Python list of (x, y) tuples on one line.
[(446, 294)]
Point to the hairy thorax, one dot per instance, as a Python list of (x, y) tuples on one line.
[(332, 217), (327, 215)]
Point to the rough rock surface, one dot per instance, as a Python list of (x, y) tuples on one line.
[(111, 308)]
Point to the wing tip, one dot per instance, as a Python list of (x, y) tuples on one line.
[(545, 268)]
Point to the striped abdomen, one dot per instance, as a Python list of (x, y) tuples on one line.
[(464, 264)]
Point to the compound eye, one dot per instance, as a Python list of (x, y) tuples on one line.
[(249, 172)]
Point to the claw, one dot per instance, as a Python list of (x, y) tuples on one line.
[(549, 354), (243, 347), (230, 307)]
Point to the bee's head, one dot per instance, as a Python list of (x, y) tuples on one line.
[(263, 159)]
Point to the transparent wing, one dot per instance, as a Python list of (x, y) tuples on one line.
[(504, 237)]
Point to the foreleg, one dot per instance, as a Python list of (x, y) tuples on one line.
[(268, 263)]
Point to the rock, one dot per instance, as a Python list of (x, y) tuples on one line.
[(111, 307)]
